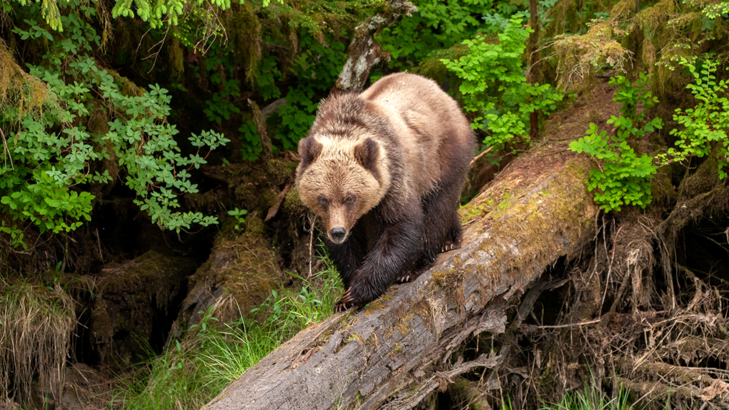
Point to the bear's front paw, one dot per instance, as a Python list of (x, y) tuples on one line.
[(405, 278), (449, 246), (346, 302)]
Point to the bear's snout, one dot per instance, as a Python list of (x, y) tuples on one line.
[(337, 234)]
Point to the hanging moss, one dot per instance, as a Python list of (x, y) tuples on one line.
[(580, 57), (653, 18), (18, 88), (176, 57), (623, 10), (244, 28)]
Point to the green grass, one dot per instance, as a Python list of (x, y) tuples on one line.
[(592, 399), (197, 368)]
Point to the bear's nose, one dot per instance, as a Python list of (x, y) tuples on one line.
[(337, 234)]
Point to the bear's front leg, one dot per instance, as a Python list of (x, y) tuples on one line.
[(396, 248), (347, 256)]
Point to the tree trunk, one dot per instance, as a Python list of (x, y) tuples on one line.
[(533, 59), (391, 354)]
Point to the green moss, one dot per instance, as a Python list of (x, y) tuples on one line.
[(471, 210), (703, 180), (292, 203), (126, 87), (378, 303), (244, 28), (131, 297), (522, 221), (280, 171), (177, 62), (238, 276)]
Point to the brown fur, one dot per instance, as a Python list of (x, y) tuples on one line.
[(394, 159)]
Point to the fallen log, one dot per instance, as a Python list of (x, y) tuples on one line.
[(384, 356)]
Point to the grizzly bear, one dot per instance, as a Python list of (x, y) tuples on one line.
[(384, 170)]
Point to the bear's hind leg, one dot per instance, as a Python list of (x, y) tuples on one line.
[(442, 224), (441, 229), (454, 236)]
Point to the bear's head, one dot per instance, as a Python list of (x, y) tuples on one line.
[(341, 179)]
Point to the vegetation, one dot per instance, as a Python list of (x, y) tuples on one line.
[(495, 88), (213, 354), (137, 126), (703, 128), (61, 143), (592, 398), (624, 178), (35, 327)]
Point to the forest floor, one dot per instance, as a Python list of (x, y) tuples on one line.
[(167, 322)]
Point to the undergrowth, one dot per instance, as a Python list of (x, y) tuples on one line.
[(495, 87), (35, 331), (591, 399), (623, 177), (87, 129), (196, 368)]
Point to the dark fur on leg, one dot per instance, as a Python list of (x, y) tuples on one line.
[(397, 247), (442, 226), (348, 256)]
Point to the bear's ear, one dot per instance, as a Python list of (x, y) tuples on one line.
[(366, 154), (309, 150)]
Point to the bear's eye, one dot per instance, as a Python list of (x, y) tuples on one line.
[(323, 201), (349, 200)]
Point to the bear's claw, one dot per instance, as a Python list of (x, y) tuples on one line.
[(346, 302), (403, 279), (449, 246)]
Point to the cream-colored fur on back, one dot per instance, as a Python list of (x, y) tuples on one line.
[(424, 118)]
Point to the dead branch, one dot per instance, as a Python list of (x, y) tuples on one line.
[(364, 52), (260, 123)]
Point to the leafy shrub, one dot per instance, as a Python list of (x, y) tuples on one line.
[(239, 215), (704, 127), (494, 86), (436, 25), (622, 177), (317, 69), (84, 123)]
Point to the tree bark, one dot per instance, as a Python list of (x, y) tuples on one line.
[(395, 351), (364, 51), (533, 59)]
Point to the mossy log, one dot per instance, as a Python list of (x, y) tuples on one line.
[(391, 353)]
